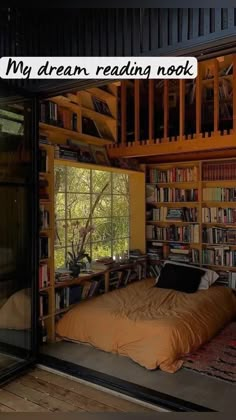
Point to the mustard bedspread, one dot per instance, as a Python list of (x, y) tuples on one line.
[(154, 327)]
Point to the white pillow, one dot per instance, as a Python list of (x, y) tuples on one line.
[(207, 280)]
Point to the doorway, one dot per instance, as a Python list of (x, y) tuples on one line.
[(18, 236)]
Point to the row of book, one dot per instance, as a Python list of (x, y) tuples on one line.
[(163, 214), (174, 175), (219, 194), (218, 215), (173, 233), (219, 171), (44, 219), (43, 161), (67, 296), (51, 113), (156, 194), (220, 255), (44, 276), (44, 247), (217, 235)]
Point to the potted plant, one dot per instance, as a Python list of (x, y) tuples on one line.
[(80, 234)]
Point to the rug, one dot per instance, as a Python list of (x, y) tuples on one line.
[(217, 358)]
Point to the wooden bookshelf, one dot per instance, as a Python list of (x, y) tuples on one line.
[(89, 116), (137, 236), (47, 230), (215, 215)]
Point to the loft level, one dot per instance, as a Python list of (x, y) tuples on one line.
[(180, 149), (172, 117)]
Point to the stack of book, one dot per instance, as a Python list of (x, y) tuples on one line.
[(44, 247), (62, 274), (226, 278), (217, 235), (219, 171), (181, 253), (44, 218), (43, 304), (219, 255)]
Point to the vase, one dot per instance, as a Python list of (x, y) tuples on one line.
[(75, 269)]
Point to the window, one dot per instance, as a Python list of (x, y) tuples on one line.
[(76, 190)]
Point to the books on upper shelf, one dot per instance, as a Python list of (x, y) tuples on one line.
[(101, 106), (90, 127), (62, 274), (189, 174), (219, 194), (219, 255), (51, 113), (177, 195), (225, 170), (174, 233), (218, 215)]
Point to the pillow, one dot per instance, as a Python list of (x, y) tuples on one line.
[(15, 314), (183, 278), (207, 280)]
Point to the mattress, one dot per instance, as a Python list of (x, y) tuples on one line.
[(152, 326)]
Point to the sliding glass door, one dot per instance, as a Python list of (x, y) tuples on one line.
[(18, 233)]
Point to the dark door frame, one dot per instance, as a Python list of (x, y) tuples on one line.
[(10, 94)]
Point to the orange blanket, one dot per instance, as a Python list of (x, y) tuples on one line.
[(154, 327)]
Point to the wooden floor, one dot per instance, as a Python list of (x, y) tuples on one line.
[(40, 390)]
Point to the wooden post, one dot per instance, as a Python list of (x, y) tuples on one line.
[(234, 93), (181, 108), (216, 97), (198, 101), (123, 104), (151, 110), (137, 110), (166, 110)]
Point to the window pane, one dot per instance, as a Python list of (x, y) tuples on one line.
[(120, 227), (103, 207), (59, 257), (60, 206), (120, 205), (103, 230), (120, 246), (78, 180), (78, 205), (120, 184), (59, 185), (60, 233), (101, 249), (99, 180)]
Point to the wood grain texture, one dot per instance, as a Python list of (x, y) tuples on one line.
[(43, 391)]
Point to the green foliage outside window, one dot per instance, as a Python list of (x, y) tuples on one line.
[(76, 190)]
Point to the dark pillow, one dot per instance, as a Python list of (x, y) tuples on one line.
[(182, 278)]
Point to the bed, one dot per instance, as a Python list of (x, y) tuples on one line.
[(154, 327)]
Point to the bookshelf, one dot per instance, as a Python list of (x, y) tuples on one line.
[(89, 116), (191, 213), (56, 293), (46, 237)]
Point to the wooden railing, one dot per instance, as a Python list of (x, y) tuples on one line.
[(179, 116)]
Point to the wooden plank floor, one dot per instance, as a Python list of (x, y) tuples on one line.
[(40, 390)]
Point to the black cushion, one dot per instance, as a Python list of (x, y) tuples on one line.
[(182, 278)]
